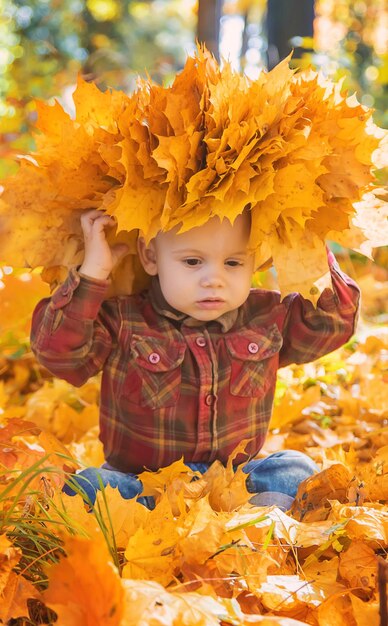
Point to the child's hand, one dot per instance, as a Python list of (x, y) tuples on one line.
[(99, 258)]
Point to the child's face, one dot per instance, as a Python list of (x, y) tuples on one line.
[(205, 271)]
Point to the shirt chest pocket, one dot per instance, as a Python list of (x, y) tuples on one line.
[(154, 373), (254, 360)]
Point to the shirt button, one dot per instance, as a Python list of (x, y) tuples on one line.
[(154, 357), (253, 347), (209, 399), (200, 341)]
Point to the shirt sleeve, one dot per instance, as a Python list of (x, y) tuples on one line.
[(73, 331), (310, 332)]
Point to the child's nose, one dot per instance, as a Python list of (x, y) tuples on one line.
[(213, 278)]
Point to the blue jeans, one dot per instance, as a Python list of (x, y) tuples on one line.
[(273, 480)]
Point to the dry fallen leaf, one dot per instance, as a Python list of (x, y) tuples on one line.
[(314, 492), (84, 587), (358, 566), (14, 590)]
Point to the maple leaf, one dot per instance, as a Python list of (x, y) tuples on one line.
[(14, 590), (226, 487), (151, 551), (11, 451), (88, 449), (155, 483), (375, 475), (18, 299), (84, 587), (72, 508), (290, 146), (314, 492), (365, 613), (324, 573), (287, 593), (203, 530), (363, 523), (291, 405), (50, 408), (358, 566), (125, 516), (58, 454), (10, 556), (343, 610), (149, 604)]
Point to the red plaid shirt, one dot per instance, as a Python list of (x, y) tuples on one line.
[(174, 386)]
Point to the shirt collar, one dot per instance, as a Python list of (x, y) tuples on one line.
[(162, 307)]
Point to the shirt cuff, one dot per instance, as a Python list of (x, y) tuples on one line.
[(81, 294), (344, 292), (331, 258)]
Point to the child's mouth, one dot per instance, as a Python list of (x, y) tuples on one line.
[(211, 303)]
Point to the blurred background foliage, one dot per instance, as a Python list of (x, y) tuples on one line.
[(46, 43)]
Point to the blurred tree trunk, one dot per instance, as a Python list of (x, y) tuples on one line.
[(287, 19), (208, 28), (244, 43)]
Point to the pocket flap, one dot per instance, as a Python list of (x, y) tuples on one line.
[(254, 345), (157, 354)]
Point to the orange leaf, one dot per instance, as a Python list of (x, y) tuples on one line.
[(14, 589), (85, 588), (13, 599), (358, 566), (59, 454), (314, 492), (10, 450), (336, 611)]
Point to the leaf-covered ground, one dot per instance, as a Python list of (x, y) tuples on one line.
[(204, 555)]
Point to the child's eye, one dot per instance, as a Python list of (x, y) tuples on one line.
[(233, 263), (191, 262)]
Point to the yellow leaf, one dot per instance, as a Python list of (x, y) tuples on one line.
[(202, 531), (59, 455), (149, 604), (324, 574), (227, 491), (287, 593), (4, 396), (290, 407), (303, 267), (126, 516), (151, 552), (155, 483), (88, 450), (363, 523)]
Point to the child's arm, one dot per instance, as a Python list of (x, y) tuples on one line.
[(309, 332), (73, 332)]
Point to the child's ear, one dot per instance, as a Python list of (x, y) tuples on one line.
[(147, 255)]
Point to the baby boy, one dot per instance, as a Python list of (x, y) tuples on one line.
[(189, 365)]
